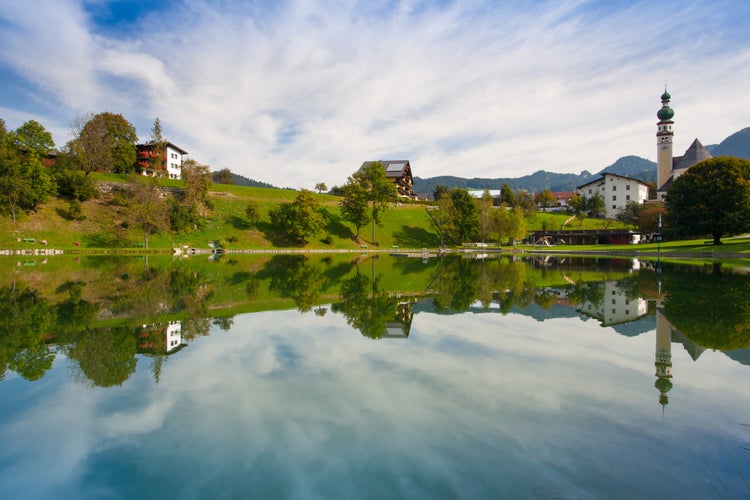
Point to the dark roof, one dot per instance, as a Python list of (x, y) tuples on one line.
[(393, 168), (167, 143), (605, 174), (696, 153)]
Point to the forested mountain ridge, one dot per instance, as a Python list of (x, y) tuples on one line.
[(737, 144)]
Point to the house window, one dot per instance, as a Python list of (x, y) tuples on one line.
[(614, 301), (589, 191), (627, 187), (614, 207), (614, 198), (627, 197), (614, 188)]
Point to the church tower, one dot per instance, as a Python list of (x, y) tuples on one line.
[(664, 136)]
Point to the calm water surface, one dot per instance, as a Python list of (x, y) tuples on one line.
[(384, 379)]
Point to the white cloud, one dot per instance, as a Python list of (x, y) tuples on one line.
[(295, 94)]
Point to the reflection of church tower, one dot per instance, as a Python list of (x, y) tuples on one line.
[(664, 137), (663, 361)]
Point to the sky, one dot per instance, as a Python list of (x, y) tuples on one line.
[(299, 92)]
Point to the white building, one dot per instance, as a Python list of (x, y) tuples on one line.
[(171, 166), (616, 191), (614, 307)]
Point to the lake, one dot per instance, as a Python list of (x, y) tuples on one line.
[(337, 376)]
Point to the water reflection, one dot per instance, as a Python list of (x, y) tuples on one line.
[(118, 311), (485, 378)]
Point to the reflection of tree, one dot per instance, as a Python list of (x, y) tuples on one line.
[(26, 319), (294, 277), (370, 309), (591, 293), (457, 285), (106, 357), (712, 309)]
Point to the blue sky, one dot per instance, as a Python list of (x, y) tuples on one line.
[(298, 92)]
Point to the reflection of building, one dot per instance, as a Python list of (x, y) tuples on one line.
[(401, 325), (663, 357), (160, 338), (615, 307)]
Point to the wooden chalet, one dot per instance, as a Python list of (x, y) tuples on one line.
[(398, 172)]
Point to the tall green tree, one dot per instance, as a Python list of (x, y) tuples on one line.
[(355, 206), (379, 191), (465, 214), (299, 219), (507, 195), (104, 142), (712, 197), (159, 151), (486, 203)]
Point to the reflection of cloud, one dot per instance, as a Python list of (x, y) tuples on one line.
[(300, 405), (287, 91)]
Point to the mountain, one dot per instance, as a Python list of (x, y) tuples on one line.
[(737, 144), (633, 166), (538, 181)]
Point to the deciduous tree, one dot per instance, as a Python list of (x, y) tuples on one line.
[(379, 190), (104, 142), (546, 199), (299, 219), (355, 205), (712, 197)]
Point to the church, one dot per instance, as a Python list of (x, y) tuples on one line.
[(670, 167)]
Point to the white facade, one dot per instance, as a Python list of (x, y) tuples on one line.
[(615, 307), (174, 162), (616, 191)]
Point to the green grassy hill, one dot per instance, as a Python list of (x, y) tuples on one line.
[(405, 225)]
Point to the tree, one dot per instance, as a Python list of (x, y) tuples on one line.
[(355, 205), (146, 209), (525, 201), (595, 205), (197, 178), (711, 197), (104, 142), (630, 214), (252, 212), (486, 203), (299, 219), (578, 204), (223, 176), (158, 155), (506, 194), (33, 137), (24, 180), (545, 199), (439, 191), (378, 188), (321, 187), (464, 214), (510, 224)]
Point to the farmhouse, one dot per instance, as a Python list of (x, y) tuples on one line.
[(398, 172), (171, 166), (616, 191)]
